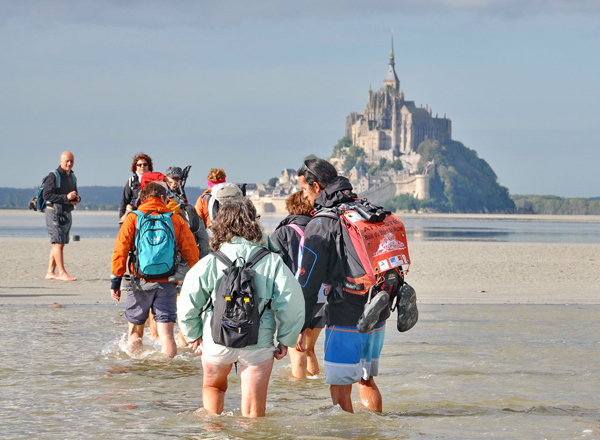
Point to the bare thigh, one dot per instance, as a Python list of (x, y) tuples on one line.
[(255, 381)]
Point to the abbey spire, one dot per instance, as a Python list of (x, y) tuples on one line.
[(391, 79)]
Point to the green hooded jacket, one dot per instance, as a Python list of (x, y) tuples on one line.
[(273, 280)]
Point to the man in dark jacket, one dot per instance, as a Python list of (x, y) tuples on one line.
[(61, 200), (350, 356)]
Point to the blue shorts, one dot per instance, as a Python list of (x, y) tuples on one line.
[(350, 355), (162, 301)]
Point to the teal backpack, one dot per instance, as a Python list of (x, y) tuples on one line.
[(38, 203), (155, 251)]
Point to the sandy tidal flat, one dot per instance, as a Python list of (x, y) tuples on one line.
[(441, 272)]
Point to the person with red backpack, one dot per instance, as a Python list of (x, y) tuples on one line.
[(357, 296)]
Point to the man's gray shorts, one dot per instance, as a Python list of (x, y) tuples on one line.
[(58, 225), (162, 300)]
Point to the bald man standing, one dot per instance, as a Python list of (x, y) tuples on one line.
[(61, 199)]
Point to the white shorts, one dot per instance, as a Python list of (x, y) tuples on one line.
[(219, 355)]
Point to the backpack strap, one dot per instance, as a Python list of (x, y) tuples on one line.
[(225, 260), (56, 178), (222, 258), (300, 232), (258, 256), (251, 262), (262, 252), (335, 214)]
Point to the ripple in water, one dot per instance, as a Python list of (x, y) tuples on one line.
[(463, 372)]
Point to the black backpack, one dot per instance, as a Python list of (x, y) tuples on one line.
[(235, 320)]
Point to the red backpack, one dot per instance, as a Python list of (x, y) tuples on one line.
[(371, 245)]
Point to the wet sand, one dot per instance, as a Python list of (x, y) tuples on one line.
[(441, 272)]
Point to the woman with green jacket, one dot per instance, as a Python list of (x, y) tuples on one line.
[(237, 233)]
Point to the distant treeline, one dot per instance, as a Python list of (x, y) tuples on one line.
[(108, 198), (553, 205), (93, 198)]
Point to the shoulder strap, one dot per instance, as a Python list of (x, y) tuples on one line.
[(300, 232), (57, 178), (262, 252), (140, 213), (258, 256), (222, 258), (327, 212), (134, 180)]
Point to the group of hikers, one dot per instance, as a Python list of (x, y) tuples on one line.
[(248, 298)]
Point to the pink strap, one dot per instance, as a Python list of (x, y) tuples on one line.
[(299, 230)]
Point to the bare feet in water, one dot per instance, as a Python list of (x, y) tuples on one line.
[(135, 347), (63, 276), (51, 276)]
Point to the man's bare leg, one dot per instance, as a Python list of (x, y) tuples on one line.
[(255, 382), (181, 342), (214, 386), (167, 339), (370, 397), (312, 364), (298, 362), (152, 328), (57, 261), (50, 275), (134, 338), (342, 395)]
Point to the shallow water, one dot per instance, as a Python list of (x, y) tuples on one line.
[(464, 372)]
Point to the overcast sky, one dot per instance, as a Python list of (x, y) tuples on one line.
[(255, 86)]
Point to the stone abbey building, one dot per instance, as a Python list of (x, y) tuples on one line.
[(391, 127)]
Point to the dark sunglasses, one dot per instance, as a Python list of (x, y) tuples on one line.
[(305, 168), (142, 164)]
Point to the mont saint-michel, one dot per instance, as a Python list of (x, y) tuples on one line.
[(395, 153), (392, 127), (403, 156)]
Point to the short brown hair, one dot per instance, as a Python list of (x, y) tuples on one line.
[(236, 218), (216, 175), (298, 205), (142, 156), (153, 189)]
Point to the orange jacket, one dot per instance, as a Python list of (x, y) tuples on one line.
[(125, 240), (202, 206)]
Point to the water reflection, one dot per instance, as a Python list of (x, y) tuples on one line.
[(501, 231)]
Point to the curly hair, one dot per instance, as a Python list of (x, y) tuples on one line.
[(298, 205), (216, 175), (236, 218), (142, 156)]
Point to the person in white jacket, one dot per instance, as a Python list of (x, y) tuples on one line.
[(237, 233)]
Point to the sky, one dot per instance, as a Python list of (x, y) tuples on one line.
[(256, 86)]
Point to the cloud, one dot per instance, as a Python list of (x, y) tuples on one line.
[(167, 13)]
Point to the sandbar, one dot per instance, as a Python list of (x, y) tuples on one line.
[(442, 272)]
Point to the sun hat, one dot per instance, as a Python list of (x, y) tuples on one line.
[(174, 172)]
